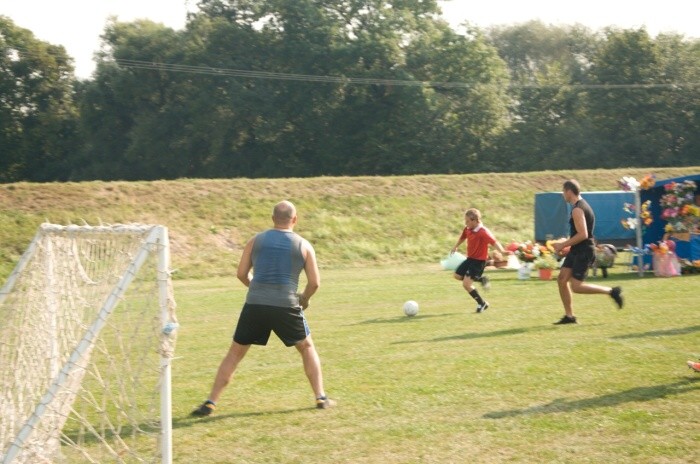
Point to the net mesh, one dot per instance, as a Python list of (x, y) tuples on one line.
[(84, 338)]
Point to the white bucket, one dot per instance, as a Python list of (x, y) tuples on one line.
[(524, 272)]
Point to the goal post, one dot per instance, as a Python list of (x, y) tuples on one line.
[(87, 335)]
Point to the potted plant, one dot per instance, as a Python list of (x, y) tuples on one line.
[(545, 264)]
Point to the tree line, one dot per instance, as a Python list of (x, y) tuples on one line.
[(300, 88)]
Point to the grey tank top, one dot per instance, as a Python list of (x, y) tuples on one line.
[(277, 262)]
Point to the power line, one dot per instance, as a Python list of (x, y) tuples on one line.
[(347, 80), (279, 76), (227, 72)]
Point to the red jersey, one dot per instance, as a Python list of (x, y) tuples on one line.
[(478, 241)]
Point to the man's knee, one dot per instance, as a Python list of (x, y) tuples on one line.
[(236, 352), (576, 285), (564, 276), (305, 345)]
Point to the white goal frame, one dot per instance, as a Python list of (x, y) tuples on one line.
[(155, 245)]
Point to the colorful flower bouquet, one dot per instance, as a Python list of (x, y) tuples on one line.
[(665, 261), (630, 184), (644, 215), (663, 247), (545, 261), (528, 252), (677, 207)]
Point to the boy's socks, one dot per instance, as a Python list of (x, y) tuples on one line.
[(475, 294)]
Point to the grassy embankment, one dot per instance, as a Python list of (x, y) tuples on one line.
[(351, 221)]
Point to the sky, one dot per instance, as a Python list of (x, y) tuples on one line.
[(78, 24)]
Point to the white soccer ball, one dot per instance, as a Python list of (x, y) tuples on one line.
[(410, 308)]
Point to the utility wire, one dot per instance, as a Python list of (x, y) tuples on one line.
[(227, 72), (347, 80)]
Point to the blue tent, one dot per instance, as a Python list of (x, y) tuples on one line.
[(655, 232), (552, 216)]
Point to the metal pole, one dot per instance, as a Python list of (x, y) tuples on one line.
[(638, 214), (164, 283)]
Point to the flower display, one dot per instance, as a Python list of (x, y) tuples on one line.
[(644, 215), (528, 252), (665, 261), (630, 184), (677, 207), (647, 182), (662, 248), (545, 261)]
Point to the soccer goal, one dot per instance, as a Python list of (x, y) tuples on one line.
[(87, 335)]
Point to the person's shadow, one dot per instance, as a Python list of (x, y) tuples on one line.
[(613, 399), (189, 420)]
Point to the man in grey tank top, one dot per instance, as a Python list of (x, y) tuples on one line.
[(277, 256)]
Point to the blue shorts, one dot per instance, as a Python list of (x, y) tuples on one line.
[(256, 322)]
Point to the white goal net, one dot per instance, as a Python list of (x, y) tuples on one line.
[(87, 335)]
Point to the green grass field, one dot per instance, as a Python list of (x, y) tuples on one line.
[(446, 386), (449, 385)]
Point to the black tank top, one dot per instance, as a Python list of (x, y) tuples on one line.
[(590, 224)]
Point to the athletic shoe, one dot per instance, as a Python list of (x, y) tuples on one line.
[(204, 409), (694, 366), (485, 282), (616, 294), (482, 307), (566, 320), (325, 403)]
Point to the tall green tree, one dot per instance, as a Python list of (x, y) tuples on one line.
[(319, 127), (127, 117), (279, 88), (548, 64), (590, 100), (38, 118), (680, 63), (629, 108), (377, 123), (467, 100)]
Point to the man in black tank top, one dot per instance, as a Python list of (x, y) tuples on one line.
[(576, 264)]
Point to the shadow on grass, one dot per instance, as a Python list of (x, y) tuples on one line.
[(660, 333), (629, 275), (189, 421), (392, 320), (473, 335), (613, 399), (146, 429)]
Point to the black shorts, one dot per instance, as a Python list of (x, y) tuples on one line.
[(257, 321), (471, 267), (579, 260)]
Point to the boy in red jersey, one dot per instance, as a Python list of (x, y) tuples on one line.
[(694, 365), (478, 240)]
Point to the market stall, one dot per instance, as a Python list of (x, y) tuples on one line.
[(672, 203)]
